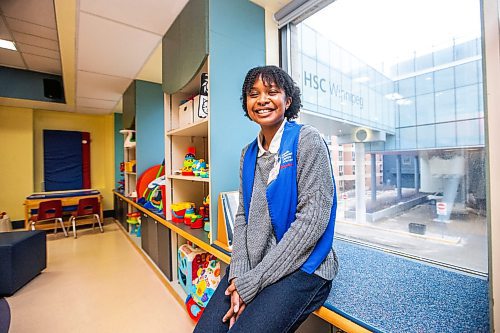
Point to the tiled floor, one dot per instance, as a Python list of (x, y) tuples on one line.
[(96, 283)]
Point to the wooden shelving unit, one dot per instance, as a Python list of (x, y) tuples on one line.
[(196, 236), (195, 129), (189, 178), (129, 155)]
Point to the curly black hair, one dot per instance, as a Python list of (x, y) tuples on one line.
[(270, 75)]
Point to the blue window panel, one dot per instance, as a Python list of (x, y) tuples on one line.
[(389, 114), (345, 62), (467, 102), (481, 101), (324, 110), (387, 86), (374, 110), (466, 74), (406, 87), (481, 131), (309, 93), (390, 143), (310, 106), (365, 108), (444, 102), (467, 49), (346, 85), (406, 67), (408, 138), (469, 134), (335, 79), (426, 136), (322, 49), (407, 113), (444, 56), (308, 41), (335, 103), (446, 135), (425, 109), (423, 62), (323, 89), (355, 68), (444, 79), (375, 146), (424, 83), (381, 106), (335, 61)]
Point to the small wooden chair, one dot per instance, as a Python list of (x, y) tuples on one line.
[(87, 207), (47, 211)]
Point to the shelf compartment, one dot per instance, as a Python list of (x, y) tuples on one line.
[(190, 178), (195, 129)]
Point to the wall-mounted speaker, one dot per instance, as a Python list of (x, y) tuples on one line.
[(52, 89)]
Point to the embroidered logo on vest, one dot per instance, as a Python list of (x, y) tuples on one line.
[(286, 160)]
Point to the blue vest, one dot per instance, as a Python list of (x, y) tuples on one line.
[(282, 194)]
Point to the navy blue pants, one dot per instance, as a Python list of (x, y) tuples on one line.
[(280, 307)]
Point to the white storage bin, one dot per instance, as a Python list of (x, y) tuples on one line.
[(188, 112)]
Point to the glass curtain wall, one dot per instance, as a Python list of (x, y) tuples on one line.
[(396, 87)]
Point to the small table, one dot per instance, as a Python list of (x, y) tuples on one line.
[(68, 199)]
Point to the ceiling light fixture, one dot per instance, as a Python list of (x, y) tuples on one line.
[(7, 44)]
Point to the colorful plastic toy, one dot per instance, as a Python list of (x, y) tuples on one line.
[(134, 219), (194, 221), (193, 309), (147, 177), (190, 214), (207, 281), (154, 194), (199, 166), (190, 260), (179, 210), (187, 166)]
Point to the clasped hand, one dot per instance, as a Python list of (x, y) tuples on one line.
[(237, 305)]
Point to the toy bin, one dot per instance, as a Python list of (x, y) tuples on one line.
[(188, 112)]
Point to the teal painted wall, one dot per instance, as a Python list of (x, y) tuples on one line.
[(236, 44), (118, 119), (149, 125)]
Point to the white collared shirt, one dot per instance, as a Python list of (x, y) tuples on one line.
[(274, 147)]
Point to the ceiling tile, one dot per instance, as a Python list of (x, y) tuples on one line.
[(36, 41), (4, 32), (82, 102), (9, 58), (31, 29), (39, 12), (112, 48), (100, 86), (151, 15), (92, 110), (43, 64), (30, 49)]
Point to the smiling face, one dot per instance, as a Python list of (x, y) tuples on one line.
[(266, 104)]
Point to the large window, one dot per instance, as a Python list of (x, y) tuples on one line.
[(399, 85)]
